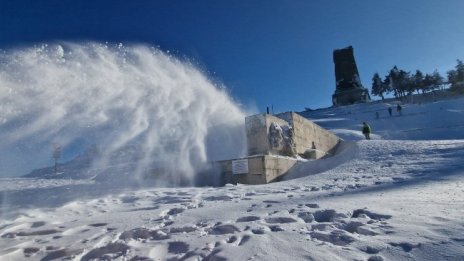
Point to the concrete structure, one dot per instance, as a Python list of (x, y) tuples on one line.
[(274, 141), (349, 89), (262, 169)]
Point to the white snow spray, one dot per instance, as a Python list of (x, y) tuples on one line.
[(148, 113)]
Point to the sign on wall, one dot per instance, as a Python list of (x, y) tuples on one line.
[(240, 166)]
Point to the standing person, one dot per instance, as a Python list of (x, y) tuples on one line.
[(398, 109), (366, 130), (377, 115), (390, 111)]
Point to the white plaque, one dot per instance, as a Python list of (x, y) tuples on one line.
[(240, 166)]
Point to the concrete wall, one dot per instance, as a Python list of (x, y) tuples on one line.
[(307, 132), (257, 130), (277, 166), (261, 169)]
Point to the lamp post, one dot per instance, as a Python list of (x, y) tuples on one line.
[(56, 156)]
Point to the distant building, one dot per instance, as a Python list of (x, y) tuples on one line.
[(349, 89)]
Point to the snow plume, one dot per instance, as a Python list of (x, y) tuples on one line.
[(134, 102)]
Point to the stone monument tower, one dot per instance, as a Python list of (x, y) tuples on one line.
[(349, 89)]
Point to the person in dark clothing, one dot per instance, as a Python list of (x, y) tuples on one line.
[(366, 130), (398, 109), (390, 111)]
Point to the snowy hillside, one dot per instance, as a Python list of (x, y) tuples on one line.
[(436, 120), (398, 196)]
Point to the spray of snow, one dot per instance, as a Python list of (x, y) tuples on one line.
[(116, 97)]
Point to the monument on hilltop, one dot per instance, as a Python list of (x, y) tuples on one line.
[(349, 89)]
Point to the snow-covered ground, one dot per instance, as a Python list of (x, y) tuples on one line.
[(399, 196)]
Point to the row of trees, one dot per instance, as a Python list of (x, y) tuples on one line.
[(403, 83), (456, 77)]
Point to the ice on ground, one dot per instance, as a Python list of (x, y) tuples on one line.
[(397, 197)]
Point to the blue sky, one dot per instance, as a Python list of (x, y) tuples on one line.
[(266, 52)]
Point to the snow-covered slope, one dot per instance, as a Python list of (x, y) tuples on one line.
[(396, 197), (437, 120)]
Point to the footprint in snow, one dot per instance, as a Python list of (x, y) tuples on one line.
[(327, 215), (271, 201), (258, 231), (371, 215), (173, 200), (178, 247), (275, 228), (143, 209), (62, 254), (129, 199), (406, 246), (231, 239), (98, 224), (38, 224), (108, 252), (312, 205), (167, 214), (140, 258), (175, 211), (279, 220), (336, 237), (32, 233), (375, 258), (235, 240), (178, 230), (245, 239), (143, 233), (357, 227), (203, 254), (307, 217), (371, 250), (248, 219), (219, 198), (223, 229), (29, 251)]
